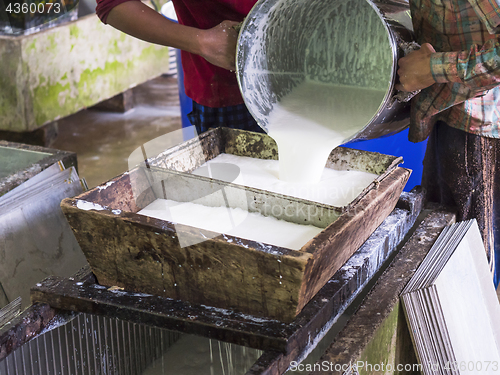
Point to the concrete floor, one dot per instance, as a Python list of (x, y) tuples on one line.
[(103, 141)]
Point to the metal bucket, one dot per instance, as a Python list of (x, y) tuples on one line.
[(353, 43)]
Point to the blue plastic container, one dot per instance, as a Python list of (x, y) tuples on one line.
[(186, 103), (398, 145)]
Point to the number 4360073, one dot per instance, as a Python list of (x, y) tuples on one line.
[(33, 8)]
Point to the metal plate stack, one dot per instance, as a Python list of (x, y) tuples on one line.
[(35, 238), (452, 308)]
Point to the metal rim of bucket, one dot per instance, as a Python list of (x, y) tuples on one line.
[(265, 6)]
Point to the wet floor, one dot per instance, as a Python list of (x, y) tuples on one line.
[(103, 141)]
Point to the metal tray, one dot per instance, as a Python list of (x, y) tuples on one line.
[(143, 254)]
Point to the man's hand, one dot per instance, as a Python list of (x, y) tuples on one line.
[(415, 69), (218, 45)]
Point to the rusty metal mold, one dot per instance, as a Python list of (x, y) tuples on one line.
[(143, 254)]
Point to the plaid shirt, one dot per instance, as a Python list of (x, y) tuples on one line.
[(466, 66)]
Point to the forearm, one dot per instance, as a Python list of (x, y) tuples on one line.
[(139, 20), (478, 68), (216, 45)]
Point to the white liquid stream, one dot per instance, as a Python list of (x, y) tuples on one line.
[(314, 119)]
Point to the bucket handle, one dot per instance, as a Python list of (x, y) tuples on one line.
[(405, 96)]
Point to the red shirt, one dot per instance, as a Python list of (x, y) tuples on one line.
[(205, 83)]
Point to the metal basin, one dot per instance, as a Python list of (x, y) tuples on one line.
[(147, 255), (353, 44)]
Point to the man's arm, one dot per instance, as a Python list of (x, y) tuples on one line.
[(217, 45), (478, 68)]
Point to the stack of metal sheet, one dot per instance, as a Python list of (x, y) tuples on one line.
[(35, 238), (452, 308)]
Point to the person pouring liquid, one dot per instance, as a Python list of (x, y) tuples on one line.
[(458, 70), (207, 36)]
